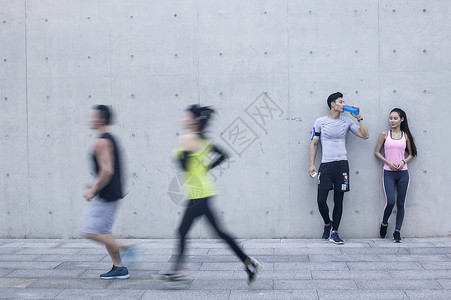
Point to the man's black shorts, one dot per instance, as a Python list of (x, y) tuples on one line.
[(334, 175)]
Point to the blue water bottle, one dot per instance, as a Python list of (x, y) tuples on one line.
[(352, 110)]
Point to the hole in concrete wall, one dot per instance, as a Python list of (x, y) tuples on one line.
[(265, 12), (7, 174), (132, 56), (311, 52), (89, 96), (5, 60), (355, 11), (394, 51), (133, 135), (424, 51), (356, 92), (222, 213), (46, 58), (267, 173), (425, 91), (220, 54), (88, 18), (178, 213), (267, 212), (266, 53), (176, 55), (135, 213), (176, 95), (6, 98), (46, 20), (89, 56), (394, 10), (177, 134), (132, 96), (395, 91), (4, 21), (309, 11), (311, 92), (357, 172), (312, 212), (356, 51), (175, 15), (50, 213), (48, 136), (424, 10), (47, 97), (131, 17)]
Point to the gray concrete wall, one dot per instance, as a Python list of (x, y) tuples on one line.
[(150, 59)]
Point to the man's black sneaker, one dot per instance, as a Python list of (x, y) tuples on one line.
[(397, 236), (383, 231), (252, 270), (116, 273), (326, 233)]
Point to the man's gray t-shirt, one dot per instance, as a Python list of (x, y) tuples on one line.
[(333, 137)]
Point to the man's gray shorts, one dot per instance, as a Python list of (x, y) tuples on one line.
[(99, 216)]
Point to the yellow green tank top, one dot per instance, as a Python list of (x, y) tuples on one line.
[(197, 183)]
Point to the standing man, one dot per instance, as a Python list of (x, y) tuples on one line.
[(334, 169), (106, 191)]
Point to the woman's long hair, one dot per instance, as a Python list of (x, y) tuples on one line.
[(405, 128), (203, 115)]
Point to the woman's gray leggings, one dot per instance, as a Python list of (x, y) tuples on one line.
[(401, 180)]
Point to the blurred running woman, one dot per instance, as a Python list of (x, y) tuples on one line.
[(193, 155)]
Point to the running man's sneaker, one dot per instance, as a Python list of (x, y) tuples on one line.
[(334, 238), (131, 254), (327, 229), (252, 270), (383, 231), (397, 236), (116, 273)]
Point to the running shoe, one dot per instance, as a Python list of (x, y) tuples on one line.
[(327, 229), (131, 254), (397, 236), (252, 270), (116, 273), (334, 238), (383, 231)]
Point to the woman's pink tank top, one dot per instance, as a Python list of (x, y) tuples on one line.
[(395, 150)]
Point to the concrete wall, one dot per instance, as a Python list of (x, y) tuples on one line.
[(150, 59)]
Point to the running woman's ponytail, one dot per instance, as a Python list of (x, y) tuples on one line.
[(202, 114), (405, 128)]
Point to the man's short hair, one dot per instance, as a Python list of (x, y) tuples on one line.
[(333, 97), (104, 113)]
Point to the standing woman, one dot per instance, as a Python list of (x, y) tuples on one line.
[(396, 141), (194, 154)]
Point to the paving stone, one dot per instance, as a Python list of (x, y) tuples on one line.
[(15, 282), (70, 283), (419, 258), (28, 265), (5, 272), (207, 258), (281, 274), (249, 251), (401, 284), (385, 266), (233, 266), (350, 274), (274, 295), (9, 250), (138, 284), (230, 284), (31, 244), (157, 258), (311, 266), (436, 265), (29, 293), (314, 284), (361, 294), (73, 257), (17, 257), (388, 243), (49, 251), (429, 251), (25, 273), (420, 274), (89, 294), (446, 283), (341, 257), (186, 295), (373, 251), (307, 251), (281, 258), (429, 294)]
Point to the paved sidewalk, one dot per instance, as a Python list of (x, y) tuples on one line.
[(293, 269)]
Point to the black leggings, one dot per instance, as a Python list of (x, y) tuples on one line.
[(391, 179), (324, 209), (195, 209)]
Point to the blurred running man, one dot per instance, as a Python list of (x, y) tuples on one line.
[(106, 192), (334, 169)]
